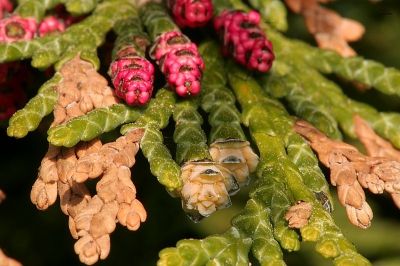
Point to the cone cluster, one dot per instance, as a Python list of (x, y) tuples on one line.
[(243, 39)]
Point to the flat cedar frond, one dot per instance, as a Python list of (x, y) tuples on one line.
[(375, 145), (350, 171), (254, 128)]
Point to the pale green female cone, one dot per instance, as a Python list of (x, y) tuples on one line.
[(155, 118), (228, 248), (228, 144), (94, 123)]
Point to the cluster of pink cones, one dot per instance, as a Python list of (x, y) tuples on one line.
[(132, 76), (243, 39)]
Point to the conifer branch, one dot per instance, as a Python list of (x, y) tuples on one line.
[(224, 118), (93, 124), (61, 48), (279, 81), (332, 101), (261, 115), (215, 249), (367, 72), (155, 118), (190, 139), (285, 82), (28, 118)]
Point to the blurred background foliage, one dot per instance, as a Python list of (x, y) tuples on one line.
[(42, 238)]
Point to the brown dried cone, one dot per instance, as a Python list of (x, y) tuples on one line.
[(7, 261), (345, 163), (330, 30), (298, 215)]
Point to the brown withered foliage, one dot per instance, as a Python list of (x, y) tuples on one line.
[(351, 171), (63, 171), (81, 90), (373, 143), (376, 146), (330, 30), (7, 261), (298, 215)]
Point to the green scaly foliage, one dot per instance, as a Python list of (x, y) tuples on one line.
[(235, 103)]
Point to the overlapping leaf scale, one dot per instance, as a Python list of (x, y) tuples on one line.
[(273, 12), (253, 222), (269, 126), (14, 51), (343, 108), (325, 94), (153, 16), (188, 135), (217, 99), (387, 125), (220, 249), (80, 7), (48, 4), (28, 118), (307, 163), (32, 8), (83, 37), (94, 123), (330, 241), (290, 86), (367, 72), (158, 155), (272, 170)]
